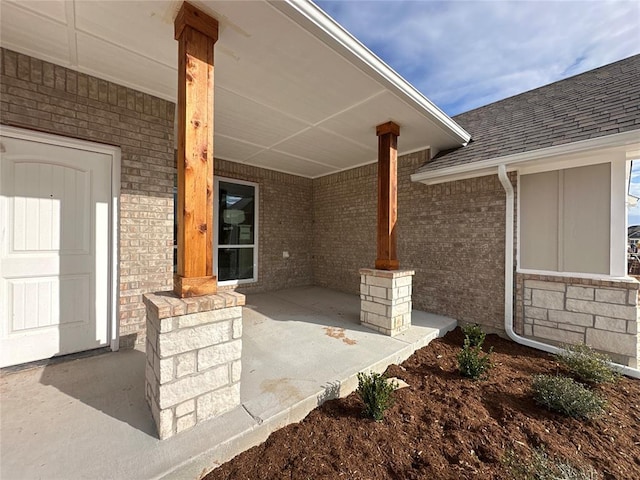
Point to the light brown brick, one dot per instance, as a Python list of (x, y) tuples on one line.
[(58, 100)]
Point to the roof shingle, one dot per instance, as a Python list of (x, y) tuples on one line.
[(593, 104)]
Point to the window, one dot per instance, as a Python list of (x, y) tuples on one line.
[(565, 220), (236, 224)]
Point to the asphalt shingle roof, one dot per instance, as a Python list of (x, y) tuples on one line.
[(593, 104)]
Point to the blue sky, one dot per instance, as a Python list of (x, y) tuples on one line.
[(465, 54)]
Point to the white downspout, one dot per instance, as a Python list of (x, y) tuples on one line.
[(508, 281)]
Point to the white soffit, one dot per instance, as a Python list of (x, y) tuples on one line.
[(294, 91)]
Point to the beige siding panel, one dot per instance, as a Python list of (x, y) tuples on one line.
[(539, 221), (586, 212)]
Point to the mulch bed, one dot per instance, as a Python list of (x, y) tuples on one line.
[(447, 427)]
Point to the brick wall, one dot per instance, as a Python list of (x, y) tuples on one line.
[(451, 234), (344, 227), (42, 96), (285, 224)]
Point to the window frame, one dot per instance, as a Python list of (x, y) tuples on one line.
[(256, 237)]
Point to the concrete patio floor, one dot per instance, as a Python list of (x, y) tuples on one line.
[(87, 418)]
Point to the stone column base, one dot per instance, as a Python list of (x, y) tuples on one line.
[(385, 300), (193, 351)]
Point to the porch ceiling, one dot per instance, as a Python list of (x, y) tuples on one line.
[(293, 91)]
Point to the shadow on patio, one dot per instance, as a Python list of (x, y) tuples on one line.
[(87, 418)]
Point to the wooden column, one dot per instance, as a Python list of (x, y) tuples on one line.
[(387, 256), (196, 34)]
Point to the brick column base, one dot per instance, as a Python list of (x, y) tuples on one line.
[(385, 300), (193, 351)]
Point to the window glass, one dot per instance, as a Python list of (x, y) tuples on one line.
[(236, 238), (235, 264), (236, 207), (235, 242)]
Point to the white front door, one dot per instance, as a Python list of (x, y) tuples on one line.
[(54, 250)]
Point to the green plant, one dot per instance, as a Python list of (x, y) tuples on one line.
[(376, 392), (474, 333), (565, 395), (471, 362), (587, 364), (539, 466)]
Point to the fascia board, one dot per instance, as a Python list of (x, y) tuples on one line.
[(313, 19), (469, 170)]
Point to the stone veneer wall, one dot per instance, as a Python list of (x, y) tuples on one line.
[(194, 349), (39, 95), (451, 234), (385, 300), (600, 313), (285, 224)]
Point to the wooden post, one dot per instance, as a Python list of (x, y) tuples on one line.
[(387, 256), (196, 34)]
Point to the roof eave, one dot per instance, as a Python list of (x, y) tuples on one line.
[(311, 17), (512, 162)]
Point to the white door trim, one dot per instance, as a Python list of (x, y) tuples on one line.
[(114, 233)]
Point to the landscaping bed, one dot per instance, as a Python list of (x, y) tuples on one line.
[(444, 426)]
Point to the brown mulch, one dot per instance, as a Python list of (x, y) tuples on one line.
[(447, 427)]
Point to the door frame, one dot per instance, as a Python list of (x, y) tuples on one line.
[(113, 323)]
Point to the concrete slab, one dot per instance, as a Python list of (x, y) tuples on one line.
[(87, 418)]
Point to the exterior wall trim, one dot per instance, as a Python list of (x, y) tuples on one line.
[(623, 140), (586, 276), (618, 232), (114, 152)]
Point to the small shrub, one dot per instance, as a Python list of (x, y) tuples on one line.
[(539, 466), (565, 395), (471, 362), (474, 333), (376, 392), (587, 364)]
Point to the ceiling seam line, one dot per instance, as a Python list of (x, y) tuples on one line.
[(297, 157), (126, 49), (271, 147), (288, 172), (351, 141), (70, 13), (241, 141), (293, 117), (20, 6), (355, 105), (303, 158)]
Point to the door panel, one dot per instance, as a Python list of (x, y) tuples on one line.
[(54, 257)]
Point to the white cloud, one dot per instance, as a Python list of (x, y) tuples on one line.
[(466, 54)]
